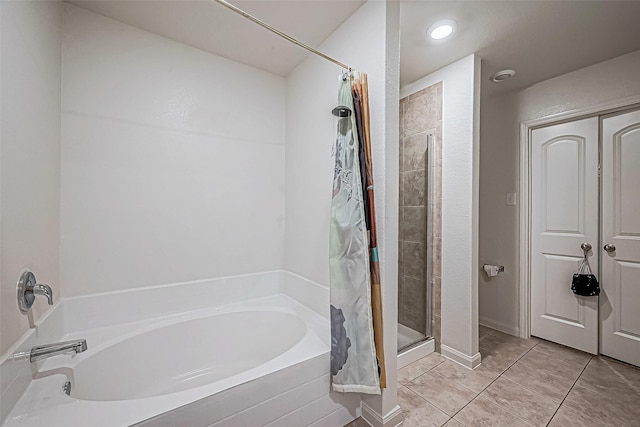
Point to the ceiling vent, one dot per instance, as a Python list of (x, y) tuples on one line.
[(502, 75)]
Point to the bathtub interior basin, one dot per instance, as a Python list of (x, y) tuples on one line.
[(249, 350), (185, 355)]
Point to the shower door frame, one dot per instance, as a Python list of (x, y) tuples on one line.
[(430, 193)]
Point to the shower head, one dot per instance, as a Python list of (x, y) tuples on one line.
[(341, 111)]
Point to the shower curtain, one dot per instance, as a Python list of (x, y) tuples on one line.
[(354, 367), (361, 99)]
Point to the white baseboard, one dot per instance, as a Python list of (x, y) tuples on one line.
[(499, 326), (417, 352), (392, 419), (470, 362)]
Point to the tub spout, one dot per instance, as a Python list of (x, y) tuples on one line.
[(45, 290), (66, 347)]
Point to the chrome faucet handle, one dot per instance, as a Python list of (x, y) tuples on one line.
[(28, 288)]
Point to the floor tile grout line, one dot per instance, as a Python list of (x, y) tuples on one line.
[(565, 362), (557, 360), (428, 370), (488, 385), (447, 379), (528, 389), (534, 391), (429, 403), (494, 380), (569, 392), (495, 404), (519, 358), (451, 417)]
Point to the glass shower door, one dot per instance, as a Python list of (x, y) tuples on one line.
[(414, 281)]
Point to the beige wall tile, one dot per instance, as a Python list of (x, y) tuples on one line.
[(401, 193), (414, 188), (401, 148), (414, 320), (414, 297), (413, 259), (436, 330), (414, 224), (436, 296), (420, 116), (414, 152), (400, 293)]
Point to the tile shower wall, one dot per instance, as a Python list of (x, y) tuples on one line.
[(420, 118)]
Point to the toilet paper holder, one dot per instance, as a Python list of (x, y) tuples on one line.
[(500, 267)]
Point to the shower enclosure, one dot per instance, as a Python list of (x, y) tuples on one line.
[(420, 218)]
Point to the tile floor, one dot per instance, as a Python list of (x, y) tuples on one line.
[(520, 383)]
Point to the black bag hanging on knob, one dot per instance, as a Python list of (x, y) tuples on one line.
[(584, 282)]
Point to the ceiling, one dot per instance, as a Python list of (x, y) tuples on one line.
[(211, 27), (538, 39)]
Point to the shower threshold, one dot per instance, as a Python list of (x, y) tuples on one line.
[(415, 351), (408, 337)]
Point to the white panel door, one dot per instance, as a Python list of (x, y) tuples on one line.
[(564, 213), (620, 281)]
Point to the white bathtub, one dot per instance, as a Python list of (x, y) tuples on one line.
[(250, 350)]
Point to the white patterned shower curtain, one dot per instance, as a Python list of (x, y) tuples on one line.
[(354, 366)]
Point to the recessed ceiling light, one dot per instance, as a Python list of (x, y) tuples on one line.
[(441, 29), (502, 75)]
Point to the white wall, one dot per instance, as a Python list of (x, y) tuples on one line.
[(612, 80), (498, 296), (460, 95), (172, 160), (30, 155), (367, 41)]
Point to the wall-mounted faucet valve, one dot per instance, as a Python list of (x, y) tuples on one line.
[(28, 288)]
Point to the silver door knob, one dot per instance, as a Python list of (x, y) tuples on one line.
[(585, 247), (609, 248)]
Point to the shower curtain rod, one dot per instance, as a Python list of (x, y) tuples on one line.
[(280, 33)]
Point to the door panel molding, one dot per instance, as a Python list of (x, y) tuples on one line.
[(620, 227), (620, 165), (564, 197), (627, 310), (561, 143)]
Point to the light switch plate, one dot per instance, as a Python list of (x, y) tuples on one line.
[(511, 199)]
